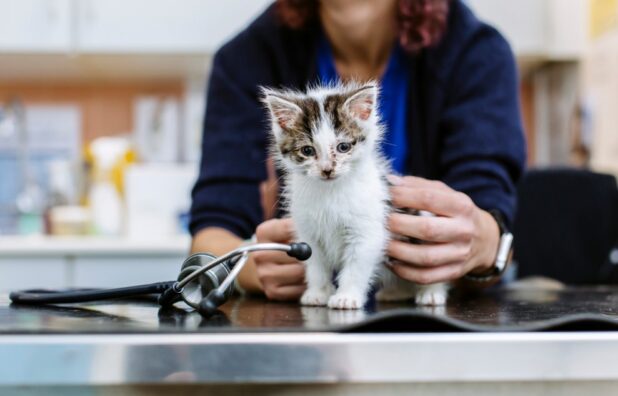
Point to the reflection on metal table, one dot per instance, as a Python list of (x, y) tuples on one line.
[(479, 338)]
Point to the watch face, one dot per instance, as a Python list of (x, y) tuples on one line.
[(504, 251)]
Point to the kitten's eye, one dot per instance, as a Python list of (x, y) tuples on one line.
[(307, 151), (344, 147)]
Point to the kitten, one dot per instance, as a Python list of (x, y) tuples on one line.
[(327, 142)]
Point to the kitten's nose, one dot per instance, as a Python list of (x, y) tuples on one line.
[(327, 172)]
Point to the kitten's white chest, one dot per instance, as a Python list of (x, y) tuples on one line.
[(335, 214)]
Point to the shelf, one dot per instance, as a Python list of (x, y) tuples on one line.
[(47, 68), (47, 246)]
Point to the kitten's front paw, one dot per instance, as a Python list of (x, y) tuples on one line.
[(431, 297), (315, 297), (346, 301)]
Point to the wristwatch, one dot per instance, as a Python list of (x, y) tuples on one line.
[(505, 252)]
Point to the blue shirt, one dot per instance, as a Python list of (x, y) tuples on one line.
[(393, 99)]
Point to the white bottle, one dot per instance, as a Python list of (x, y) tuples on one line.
[(106, 204)]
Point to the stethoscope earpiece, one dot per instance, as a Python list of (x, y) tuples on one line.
[(300, 250)]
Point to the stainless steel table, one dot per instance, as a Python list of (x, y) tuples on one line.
[(254, 341)]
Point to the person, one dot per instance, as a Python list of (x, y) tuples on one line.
[(449, 101)]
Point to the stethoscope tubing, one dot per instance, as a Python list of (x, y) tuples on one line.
[(38, 296)]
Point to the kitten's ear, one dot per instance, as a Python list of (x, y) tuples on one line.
[(283, 111), (362, 103)]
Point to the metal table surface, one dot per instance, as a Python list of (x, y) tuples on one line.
[(256, 341)]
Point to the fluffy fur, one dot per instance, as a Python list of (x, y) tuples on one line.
[(327, 142)]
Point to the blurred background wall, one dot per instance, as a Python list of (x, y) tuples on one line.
[(75, 73)]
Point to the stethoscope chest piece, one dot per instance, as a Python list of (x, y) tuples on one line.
[(195, 291)]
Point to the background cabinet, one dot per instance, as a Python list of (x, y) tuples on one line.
[(82, 40), (35, 25), (544, 29), (163, 26), (121, 26), (56, 262)]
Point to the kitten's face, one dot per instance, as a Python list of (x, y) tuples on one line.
[(321, 133)]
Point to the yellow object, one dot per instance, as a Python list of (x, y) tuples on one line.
[(115, 173), (603, 17), (111, 155), (119, 169)]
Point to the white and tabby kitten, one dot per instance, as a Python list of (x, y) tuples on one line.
[(327, 142)]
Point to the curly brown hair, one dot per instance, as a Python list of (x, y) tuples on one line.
[(421, 22)]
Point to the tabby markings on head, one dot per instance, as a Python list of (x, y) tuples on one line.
[(301, 130), (340, 118)]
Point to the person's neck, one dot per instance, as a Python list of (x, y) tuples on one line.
[(361, 34)]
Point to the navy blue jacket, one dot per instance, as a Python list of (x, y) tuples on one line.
[(464, 124)]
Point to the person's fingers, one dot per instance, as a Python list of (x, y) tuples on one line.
[(275, 230), (429, 228), (286, 293), (417, 182), (427, 275), (437, 201), (282, 282), (271, 256), (428, 255), (282, 275)]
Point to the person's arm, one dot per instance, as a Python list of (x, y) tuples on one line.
[(227, 192), (482, 155), (483, 146), (230, 198), (226, 201), (226, 198)]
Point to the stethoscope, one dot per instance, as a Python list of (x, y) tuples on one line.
[(205, 281)]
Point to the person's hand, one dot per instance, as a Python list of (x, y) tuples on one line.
[(282, 277), (461, 238)]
